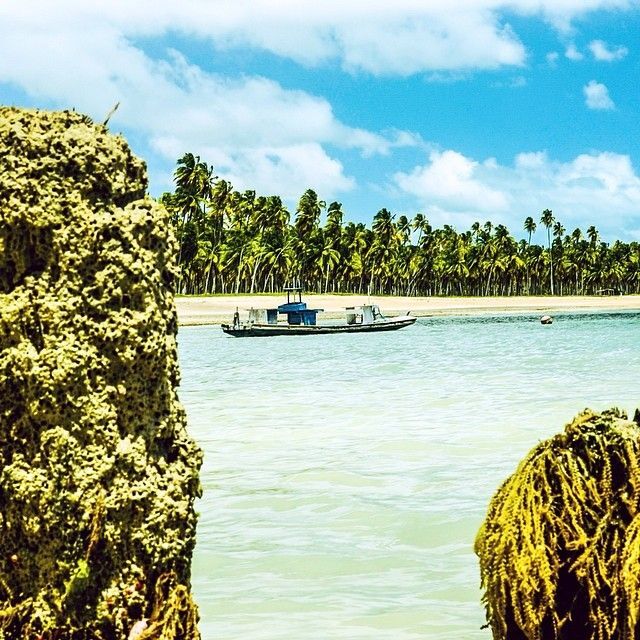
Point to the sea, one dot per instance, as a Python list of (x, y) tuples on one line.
[(345, 476)]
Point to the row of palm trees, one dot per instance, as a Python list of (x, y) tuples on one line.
[(239, 242)]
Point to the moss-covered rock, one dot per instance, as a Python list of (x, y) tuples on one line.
[(98, 475), (560, 547)]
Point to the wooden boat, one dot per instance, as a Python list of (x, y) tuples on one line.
[(301, 321)]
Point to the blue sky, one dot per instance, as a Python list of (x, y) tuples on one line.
[(469, 110)]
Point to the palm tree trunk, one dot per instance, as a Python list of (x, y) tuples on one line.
[(237, 289), (254, 274), (550, 257), (208, 280)]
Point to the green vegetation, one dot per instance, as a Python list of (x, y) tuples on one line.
[(232, 242), (560, 547)]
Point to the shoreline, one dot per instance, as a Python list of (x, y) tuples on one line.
[(214, 310)]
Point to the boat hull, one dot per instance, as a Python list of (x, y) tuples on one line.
[(265, 330)]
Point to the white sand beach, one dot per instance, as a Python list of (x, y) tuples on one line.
[(194, 310)]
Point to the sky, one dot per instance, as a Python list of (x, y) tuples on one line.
[(461, 110)]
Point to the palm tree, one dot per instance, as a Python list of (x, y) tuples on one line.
[(404, 228), (558, 232), (547, 220), (420, 224), (308, 213), (306, 226), (327, 260), (232, 241), (530, 227), (242, 232), (220, 198), (332, 237), (267, 221), (574, 258), (333, 226), (458, 269), (633, 269), (194, 182), (381, 255)]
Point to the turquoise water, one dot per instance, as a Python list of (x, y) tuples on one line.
[(345, 476)]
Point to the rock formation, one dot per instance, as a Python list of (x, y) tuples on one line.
[(560, 547), (98, 475)]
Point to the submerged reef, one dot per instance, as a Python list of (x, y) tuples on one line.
[(98, 475), (560, 547)]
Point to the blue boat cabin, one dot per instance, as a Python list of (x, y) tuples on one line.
[(295, 310)]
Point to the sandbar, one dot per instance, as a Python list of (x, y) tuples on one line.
[(204, 310)]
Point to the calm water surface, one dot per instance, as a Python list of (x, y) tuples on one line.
[(345, 476)]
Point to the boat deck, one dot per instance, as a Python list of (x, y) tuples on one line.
[(283, 329)]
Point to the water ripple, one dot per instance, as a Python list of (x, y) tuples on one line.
[(345, 476)]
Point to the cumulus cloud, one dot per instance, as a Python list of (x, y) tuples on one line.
[(597, 96), (287, 171), (251, 127), (572, 53), (453, 182), (376, 36), (602, 51), (599, 187), (403, 37), (91, 54), (533, 160)]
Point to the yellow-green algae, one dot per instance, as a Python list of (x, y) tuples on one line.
[(560, 547), (98, 475)]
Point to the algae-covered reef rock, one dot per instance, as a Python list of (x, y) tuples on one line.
[(98, 475), (560, 547)]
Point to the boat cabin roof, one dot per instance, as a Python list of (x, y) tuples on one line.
[(291, 293), (361, 306)]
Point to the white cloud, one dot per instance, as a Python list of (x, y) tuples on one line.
[(381, 37), (450, 180), (552, 58), (572, 53), (88, 55), (609, 172), (287, 171), (597, 96), (561, 13), (251, 127), (284, 170), (531, 160), (601, 51), (598, 188), (430, 40), (403, 37)]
